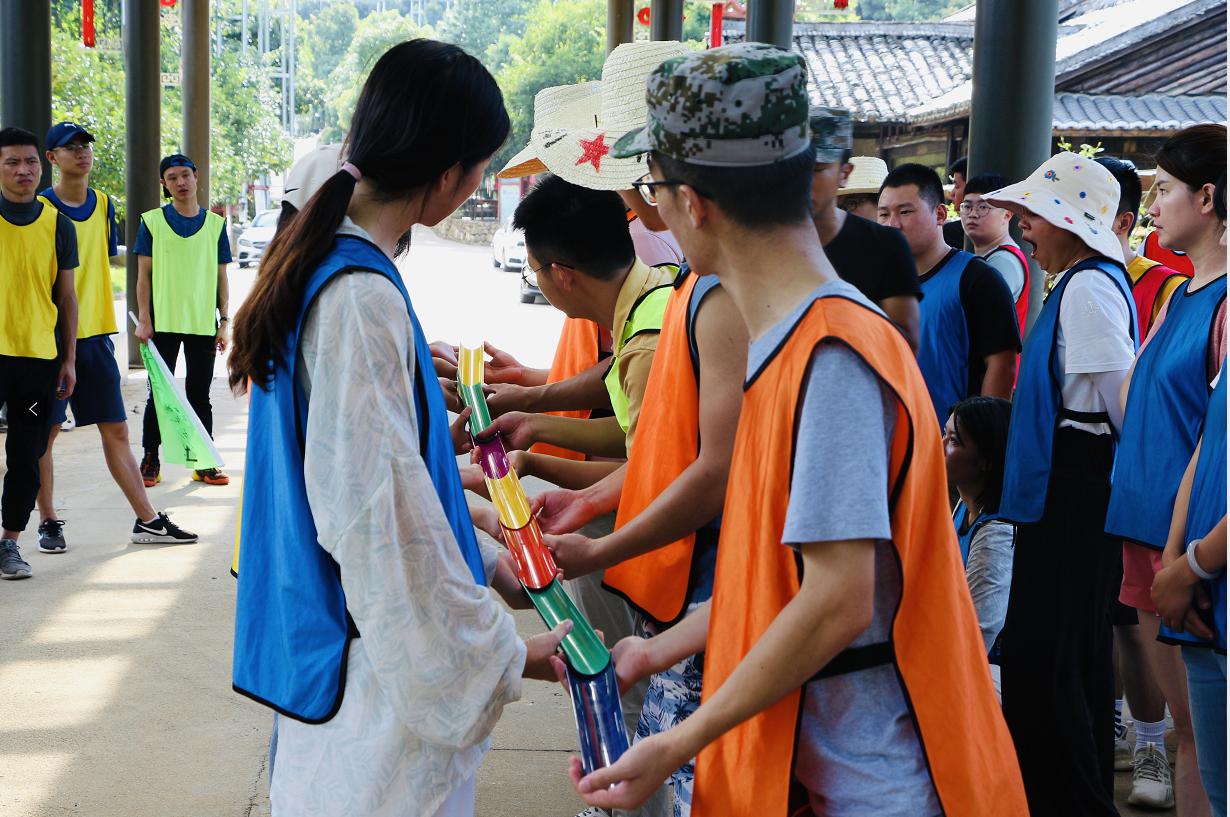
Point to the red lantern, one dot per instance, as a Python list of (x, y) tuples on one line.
[(841, 4), (87, 23), (642, 16), (167, 3)]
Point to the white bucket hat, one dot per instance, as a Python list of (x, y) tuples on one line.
[(868, 174), (557, 107), (582, 155), (307, 175), (1073, 193)]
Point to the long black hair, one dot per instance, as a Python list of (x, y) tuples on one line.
[(983, 422), (426, 106)]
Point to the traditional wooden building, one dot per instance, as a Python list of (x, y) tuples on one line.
[(1127, 74)]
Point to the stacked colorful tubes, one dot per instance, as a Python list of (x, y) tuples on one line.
[(591, 673)]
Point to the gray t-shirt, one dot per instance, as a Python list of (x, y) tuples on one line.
[(1008, 266), (859, 751)]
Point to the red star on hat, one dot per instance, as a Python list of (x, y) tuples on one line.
[(594, 150)]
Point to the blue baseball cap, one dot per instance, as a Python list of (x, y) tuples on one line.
[(175, 160), (64, 132)]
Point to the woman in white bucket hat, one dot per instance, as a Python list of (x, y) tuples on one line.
[(1057, 680), (862, 186)]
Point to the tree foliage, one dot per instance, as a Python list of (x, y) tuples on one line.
[(906, 10)]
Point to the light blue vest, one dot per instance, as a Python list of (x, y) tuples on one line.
[(1037, 404), (1206, 508), (959, 516), (943, 336), (1166, 404), (292, 629)]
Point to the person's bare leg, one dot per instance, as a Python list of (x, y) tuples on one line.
[(1144, 696), (46, 475), (1171, 677), (124, 468)]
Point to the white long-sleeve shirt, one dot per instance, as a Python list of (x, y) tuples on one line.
[(439, 656)]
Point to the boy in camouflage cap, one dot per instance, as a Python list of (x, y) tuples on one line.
[(823, 581)]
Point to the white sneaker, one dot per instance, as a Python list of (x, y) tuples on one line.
[(1152, 780), (1123, 749)]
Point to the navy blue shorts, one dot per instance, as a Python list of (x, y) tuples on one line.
[(97, 397)]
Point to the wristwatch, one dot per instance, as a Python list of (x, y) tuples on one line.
[(1194, 563)]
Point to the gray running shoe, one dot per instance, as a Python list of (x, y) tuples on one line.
[(12, 566), (51, 536), (1152, 779)]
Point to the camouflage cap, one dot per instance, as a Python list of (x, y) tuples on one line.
[(832, 133), (738, 105)]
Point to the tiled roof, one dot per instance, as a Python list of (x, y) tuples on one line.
[(880, 70), (1075, 113), (915, 73)]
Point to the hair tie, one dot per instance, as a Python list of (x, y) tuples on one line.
[(350, 168)]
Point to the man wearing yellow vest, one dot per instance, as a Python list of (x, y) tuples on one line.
[(844, 670), (97, 398), (38, 331), (182, 296)]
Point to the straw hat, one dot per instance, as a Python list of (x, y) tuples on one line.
[(582, 155), (868, 174), (1073, 193), (560, 106)]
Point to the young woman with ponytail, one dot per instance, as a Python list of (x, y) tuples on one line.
[(363, 616)]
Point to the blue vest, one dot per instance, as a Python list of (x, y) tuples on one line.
[(1166, 404), (292, 629), (959, 516), (1037, 404), (1206, 508), (943, 336)]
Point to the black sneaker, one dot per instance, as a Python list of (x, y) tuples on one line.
[(160, 531), (51, 536)]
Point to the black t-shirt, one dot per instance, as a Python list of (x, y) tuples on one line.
[(20, 214), (954, 234), (874, 258), (990, 316)]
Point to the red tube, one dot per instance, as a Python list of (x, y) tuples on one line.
[(535, 565)]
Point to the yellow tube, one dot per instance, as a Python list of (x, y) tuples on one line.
[(509, 499), (470, 365)]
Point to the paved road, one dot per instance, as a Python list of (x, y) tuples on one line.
[(115, 666)]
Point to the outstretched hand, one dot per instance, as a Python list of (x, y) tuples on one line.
[(460, 434), (576, 555), (517, 429), (631, 780), (503, 367), (562, 511)]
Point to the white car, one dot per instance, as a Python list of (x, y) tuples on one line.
[(508, 248), (255, 237)]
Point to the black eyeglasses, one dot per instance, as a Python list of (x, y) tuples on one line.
[(647, 186), (77, 150), (530, 279)]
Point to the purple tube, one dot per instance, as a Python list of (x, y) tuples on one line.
[(491, 457), (600, 718)]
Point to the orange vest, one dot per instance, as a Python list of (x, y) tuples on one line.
[(937, 648), (656, 583), (576, 352)]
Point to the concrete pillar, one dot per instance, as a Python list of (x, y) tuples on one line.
[(666, 19), (1012, 110), (25, 69), (772, 22), (620, 16), (194, 79), (142, 110)]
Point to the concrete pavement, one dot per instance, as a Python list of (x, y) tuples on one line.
[(115, 665)]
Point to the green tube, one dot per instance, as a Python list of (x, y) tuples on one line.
[(584, 649), (473, 397)]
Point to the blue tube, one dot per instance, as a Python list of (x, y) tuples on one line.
[(600, 717)]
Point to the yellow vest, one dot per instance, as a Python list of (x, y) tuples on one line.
[(184, 275), (28, 270), (95, 304), (646, 316)]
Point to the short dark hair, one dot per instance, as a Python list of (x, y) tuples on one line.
[(985, 183), (1130, 189), (573, 225), (1219, 197), (1195, 156), (14, 137), (959, 166), (930, 189), (771, 195), (984, 422)]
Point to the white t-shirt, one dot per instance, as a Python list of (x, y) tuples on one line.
[(654, 248), (1094, 337)]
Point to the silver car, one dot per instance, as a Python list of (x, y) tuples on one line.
[(256, 237)]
